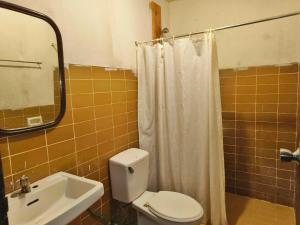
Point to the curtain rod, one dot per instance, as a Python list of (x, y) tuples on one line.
[(222, 28)]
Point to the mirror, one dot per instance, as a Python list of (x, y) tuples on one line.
[(32, 91)]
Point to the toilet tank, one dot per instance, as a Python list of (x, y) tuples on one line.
[(129, 174)]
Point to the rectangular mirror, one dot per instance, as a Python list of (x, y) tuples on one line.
[(32, 90)]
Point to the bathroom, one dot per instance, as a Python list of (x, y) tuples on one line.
[(197, 101)]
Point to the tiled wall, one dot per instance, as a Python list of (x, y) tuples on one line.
[(259, 116), (100, 121)]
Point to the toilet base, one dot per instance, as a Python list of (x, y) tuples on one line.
[(144, 220)]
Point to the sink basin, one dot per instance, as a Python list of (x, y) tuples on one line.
[(54, 200)]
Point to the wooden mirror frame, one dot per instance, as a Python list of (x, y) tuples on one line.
[(29, 12)]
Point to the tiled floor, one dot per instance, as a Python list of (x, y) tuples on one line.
[(249, 211)]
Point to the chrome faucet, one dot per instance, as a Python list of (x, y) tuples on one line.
[(24, 184)]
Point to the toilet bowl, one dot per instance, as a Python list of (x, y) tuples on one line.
[(129, 180)]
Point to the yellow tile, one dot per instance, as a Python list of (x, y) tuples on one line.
[(85, 142), (118, 85), (84, 128), (103, 111), (80, 72), (63, 164), (102, 98), (3, 147), (83, 114), (87, 154), (118, 97), (82, 100), (60, 134), (21, 143), (101, 85), (81, 86), (6, 166), (105, 135), (34, 174), (28, 159), (61, 149), (100, 73), (104, 123), (117, 74)]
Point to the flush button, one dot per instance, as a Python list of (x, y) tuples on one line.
[(131, 170)]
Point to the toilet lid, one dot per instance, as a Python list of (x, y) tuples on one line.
[(175, 207)]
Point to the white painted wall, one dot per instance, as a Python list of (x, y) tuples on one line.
[(274, 42), (99, 32)]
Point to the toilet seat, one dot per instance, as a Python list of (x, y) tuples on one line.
[(175, 207)]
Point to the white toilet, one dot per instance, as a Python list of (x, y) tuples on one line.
[(129, 180)]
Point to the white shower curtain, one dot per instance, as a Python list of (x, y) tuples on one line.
[(180, 121)]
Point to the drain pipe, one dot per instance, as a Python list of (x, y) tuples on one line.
[(99, 217)]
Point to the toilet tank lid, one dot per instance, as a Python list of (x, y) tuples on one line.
[(129, 157)]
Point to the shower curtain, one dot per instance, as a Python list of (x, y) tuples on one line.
[(180, 122)]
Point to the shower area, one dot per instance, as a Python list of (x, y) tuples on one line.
[(259, 66)]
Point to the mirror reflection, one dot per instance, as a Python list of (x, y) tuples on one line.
[(29, 78)]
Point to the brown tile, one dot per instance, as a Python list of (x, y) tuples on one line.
[(266, 117), (288, 78), (288, 88), (245, 107), (247, 71), (227, 99), (287, 108), (227, 72), (246, 90), (267, 70), (118, 85), (245, 98), (227, 81), (293, 68), (287, 117), (228, 90), (246, 80), (267, 79), (267, 98)]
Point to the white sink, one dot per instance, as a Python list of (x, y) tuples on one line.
[(57, 200)]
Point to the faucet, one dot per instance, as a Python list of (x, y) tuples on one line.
[(24, 184)]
